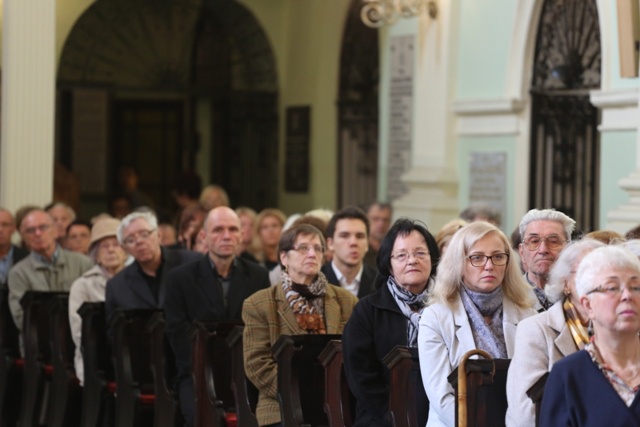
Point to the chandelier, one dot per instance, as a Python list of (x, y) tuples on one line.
[(377, 13)]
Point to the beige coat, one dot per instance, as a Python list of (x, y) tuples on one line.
[(267, 315), (90, 287), (541, 341)]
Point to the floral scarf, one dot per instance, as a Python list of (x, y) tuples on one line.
[(307, 302)]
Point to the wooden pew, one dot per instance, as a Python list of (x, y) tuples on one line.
[(408, 403), (38, 368), (536, 393), (11, 365), (244, 392), (481, 390), (99, 379), (301, 379), (135, 394), (166, 410), (210, 361), (339, 402), (65, 397)]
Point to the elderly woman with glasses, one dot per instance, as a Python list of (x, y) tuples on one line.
[(544, 339), (477, 301), (303, 303), (407, 262), (598, 386)]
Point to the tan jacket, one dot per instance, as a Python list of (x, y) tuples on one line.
[(541, 341), (267, 315)]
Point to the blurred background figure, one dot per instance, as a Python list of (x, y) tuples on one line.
[(62, 215), (447, 231), (248, 247), (379, 215), (78, 236), (213, 196), (481, 212), (190, 224), (608, 237), (120, 205), (268, 227), (128, 180), (186, 189)]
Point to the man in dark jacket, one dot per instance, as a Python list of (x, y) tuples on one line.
[(211, 289)]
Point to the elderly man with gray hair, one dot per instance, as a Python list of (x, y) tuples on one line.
[(544, 234), (142, 284)]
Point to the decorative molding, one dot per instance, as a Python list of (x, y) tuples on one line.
[(488, 117), (619, 109)]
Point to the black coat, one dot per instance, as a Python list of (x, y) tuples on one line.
[(129, 290), (366, 281), (375, 327), (195, 293)]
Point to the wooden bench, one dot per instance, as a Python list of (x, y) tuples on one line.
[(536, 392), (65, 397), (339, 402), (301, 379), (408, 403), (38, 368), (244, 392), (163, 367), (99, 379), (11, 365), (135, 389), (481, 390), (210, 362)]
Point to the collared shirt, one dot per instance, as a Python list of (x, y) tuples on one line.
[(352, 287), (224, 281), (542, 297), (5, 264), (46, 262)]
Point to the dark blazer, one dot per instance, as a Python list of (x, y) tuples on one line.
[(195, 293), (128, 289), (375, 327), (578, 394), (366, 281), (18, 254)]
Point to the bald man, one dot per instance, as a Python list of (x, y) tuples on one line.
[(211, 289)]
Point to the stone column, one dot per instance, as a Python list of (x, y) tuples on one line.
[(431, 180), (28, 102)]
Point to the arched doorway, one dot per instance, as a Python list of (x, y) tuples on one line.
[(164, 86), (564, 137), (358, 112)]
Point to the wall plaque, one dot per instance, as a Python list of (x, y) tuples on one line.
[(487, 180)]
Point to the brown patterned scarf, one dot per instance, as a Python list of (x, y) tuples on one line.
[(579, 334), (307, 302)]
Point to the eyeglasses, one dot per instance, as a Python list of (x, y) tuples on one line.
[(616, 289), (553, 241), (404, 256), (481, 260), (304, 249), (142, 235), (42, 228)]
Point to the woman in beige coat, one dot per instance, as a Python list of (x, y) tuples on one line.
[(90, 287)]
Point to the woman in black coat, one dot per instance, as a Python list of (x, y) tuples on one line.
[(407, 263)]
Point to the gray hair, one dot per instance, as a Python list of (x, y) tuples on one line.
[(567, 262), (146, 215), (547, 215), (599, 259), (69, 209)]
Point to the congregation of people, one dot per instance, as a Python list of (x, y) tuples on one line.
[(553, 300)]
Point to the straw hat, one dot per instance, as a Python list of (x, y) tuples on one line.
[(105, 227)]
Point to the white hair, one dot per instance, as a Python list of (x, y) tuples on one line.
[(146, 215), (568, 224), (602, 258)]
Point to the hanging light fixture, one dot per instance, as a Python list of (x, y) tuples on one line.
[(378, 13)]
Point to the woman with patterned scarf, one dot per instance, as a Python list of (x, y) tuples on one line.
[(478, 300), (547, 337), (304, 303), (407, 262)]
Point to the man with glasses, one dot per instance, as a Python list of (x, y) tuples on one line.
[(48, 268), (141, 285), (544, 234), (211, 289)]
